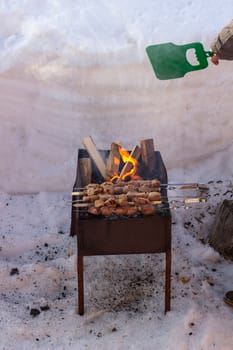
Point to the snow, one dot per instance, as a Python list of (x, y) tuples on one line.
[(69, 69), (124, 294)]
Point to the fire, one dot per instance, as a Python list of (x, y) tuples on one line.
[(126, 157), (129, 168)]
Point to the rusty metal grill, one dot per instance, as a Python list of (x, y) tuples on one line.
[(122, 235)]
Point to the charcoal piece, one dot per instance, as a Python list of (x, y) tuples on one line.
[(34, 312), (14, 271), (44, 308)]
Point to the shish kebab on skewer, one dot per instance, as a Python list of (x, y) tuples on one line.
[(126, 198)]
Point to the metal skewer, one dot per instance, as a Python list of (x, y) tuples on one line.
[(164, 199), (81, 204), (180, 185), (159, 209)]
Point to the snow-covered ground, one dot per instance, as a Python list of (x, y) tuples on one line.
[(70, 68), (124, 295)]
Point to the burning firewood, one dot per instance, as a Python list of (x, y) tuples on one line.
[(113, 162), (95, 155), (148, 155)]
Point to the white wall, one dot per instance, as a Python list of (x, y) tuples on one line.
[(69, 70)]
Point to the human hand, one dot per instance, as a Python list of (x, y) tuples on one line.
[(215, 59)]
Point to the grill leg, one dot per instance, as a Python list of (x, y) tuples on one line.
[(80, 285), (168, 281)]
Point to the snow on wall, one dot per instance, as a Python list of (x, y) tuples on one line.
[(69, 69)]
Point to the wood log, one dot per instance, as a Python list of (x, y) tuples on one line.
[(148, 154), (95, 155), (85, 170), (114, 160), (136, 152)]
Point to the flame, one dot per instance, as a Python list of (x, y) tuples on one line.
[(126, 157), (130, 164)]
